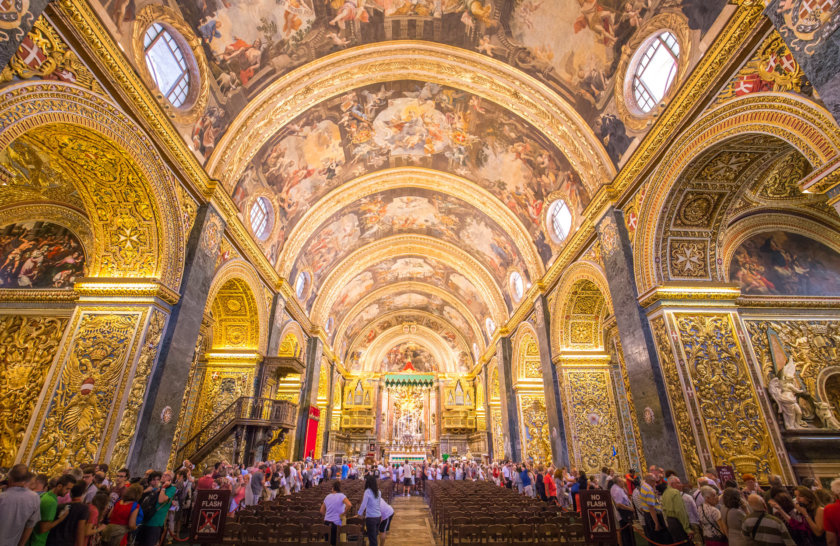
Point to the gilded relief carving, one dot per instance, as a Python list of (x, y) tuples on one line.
[(90, 383), (535, 437), (803, 353), (688, 258), (27, 348), (43, 54), (624, 399), (728, 404), (148, 356), (220, 388), (498, 433), (594, 419), (679, 409)]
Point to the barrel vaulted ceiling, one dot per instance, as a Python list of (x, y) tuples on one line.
[(407, 151)]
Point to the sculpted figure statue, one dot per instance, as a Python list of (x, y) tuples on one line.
[(825, 414), (784, 392)]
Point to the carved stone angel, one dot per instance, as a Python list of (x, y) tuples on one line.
[(784, 393), (826, 415)]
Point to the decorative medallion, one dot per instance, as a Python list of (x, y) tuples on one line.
[(609, 235), (650, 417), (166, 415)]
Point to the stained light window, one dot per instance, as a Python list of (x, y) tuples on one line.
[(260, 211), (167, 64), (517, 286), (559, 220), (656, 71)]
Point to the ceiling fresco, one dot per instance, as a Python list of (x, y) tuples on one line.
[(408, 268), (409, 123), (361, 334), (410, 210), (407, 301)]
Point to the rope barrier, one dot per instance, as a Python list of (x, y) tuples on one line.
[(176, 539)]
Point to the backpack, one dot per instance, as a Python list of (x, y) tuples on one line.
[(148, 504)]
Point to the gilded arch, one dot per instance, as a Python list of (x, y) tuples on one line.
[(582, 271), (486, 77), (795, 120), (239, 279), (71, 118)]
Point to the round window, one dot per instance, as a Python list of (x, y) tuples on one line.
[(490, 325), (655, 70), (300, 284), (261, 218), (168, 64), (559, 220), (517, 286)]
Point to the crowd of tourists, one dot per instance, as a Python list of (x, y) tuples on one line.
[(93, 504)]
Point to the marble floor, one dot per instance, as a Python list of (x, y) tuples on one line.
[(412, 524)]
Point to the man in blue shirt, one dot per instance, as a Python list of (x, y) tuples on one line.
[(344, 471), (527, 484)]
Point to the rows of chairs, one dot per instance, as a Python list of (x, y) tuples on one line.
[(296, 518), (466, 512)]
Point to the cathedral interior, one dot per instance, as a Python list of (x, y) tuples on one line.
[(593, 232)]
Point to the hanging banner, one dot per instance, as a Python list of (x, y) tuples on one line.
[(311, 432)]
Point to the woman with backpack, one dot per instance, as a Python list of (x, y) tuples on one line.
[(124, 517)]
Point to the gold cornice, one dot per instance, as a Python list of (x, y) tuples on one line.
[(97, 288), (413, 312), (410, 177), (718, 59), (692, 293), (787, 303), (404, 245), (112, 59), (417, 287), (335, 74), (35, 295)]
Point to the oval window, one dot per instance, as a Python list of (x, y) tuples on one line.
[(490, 325), (167, 63), (261, 212), (517, 286), (559, 220), (655, 71), (300, 284)]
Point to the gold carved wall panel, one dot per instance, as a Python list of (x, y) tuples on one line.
[(679, 409), (28, 345), (148, 356), (91, 380), (498, 433), (593, 417), (535, 439), (730, 411), (220, 388)]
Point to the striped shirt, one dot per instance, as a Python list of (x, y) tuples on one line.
[(771, 530), (647, 496)]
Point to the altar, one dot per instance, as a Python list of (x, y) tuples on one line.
[(410, 427)]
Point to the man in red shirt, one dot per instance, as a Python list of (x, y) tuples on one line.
[(550, 486), (206, 481), (831, 516)]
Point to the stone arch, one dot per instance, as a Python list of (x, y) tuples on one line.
[(237, 281), (300, 89), (799, 122), (580, 272), (130, 197)]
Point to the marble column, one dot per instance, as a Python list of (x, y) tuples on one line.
[(326, 416), (510, 407), (811, 33), (551, 385), (308, 392), (660, 440), (165, 390)]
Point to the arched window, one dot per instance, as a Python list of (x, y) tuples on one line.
[(656, 70), (559, 220), (517, 286), (167, 64), (261, 211)]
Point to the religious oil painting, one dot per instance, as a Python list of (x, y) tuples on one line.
[(408, 357), (788, 264), (39, 255)]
